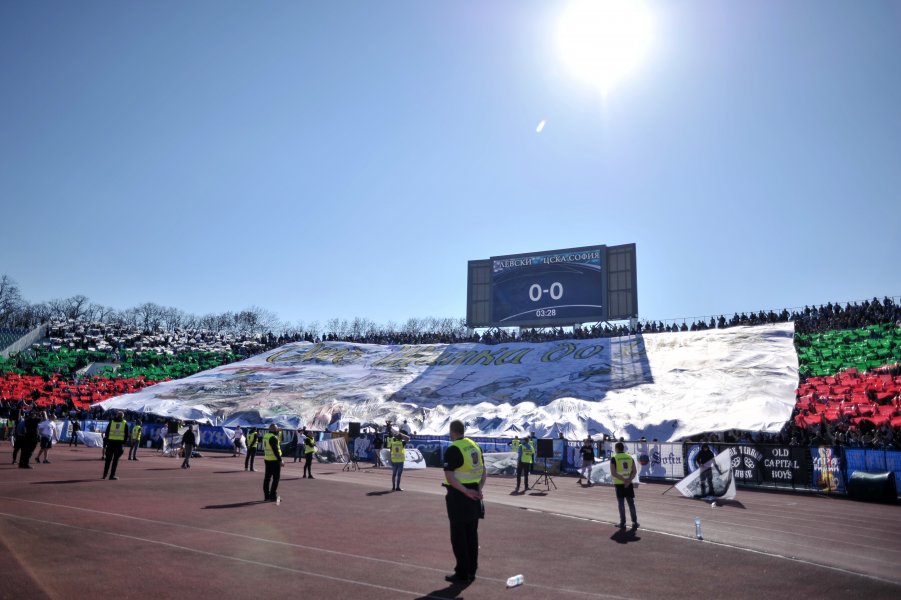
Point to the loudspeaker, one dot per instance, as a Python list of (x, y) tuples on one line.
[(545, 448), (353, 429), (873, 487)]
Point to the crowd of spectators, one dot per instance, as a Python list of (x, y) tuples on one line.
[(114, 338), (116, 341)]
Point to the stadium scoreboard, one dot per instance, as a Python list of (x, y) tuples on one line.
[(553, 287)]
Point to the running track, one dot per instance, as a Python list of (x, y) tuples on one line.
[(162, 531)]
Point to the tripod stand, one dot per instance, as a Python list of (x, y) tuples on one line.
[(351, 463), (548, 480)]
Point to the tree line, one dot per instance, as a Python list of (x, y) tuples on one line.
[(17, 312)]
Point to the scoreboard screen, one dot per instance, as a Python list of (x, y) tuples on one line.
[(553, 287), (542, 288)]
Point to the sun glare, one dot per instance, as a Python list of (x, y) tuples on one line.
[(602, 41)]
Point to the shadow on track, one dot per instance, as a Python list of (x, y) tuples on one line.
[(624, 536), (235, 504), (451, 591)]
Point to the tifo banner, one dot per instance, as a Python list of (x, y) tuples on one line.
[(715, 481), (665, 386), (827, 471), (499, 463)]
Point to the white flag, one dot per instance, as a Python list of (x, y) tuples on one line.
[(713, 479)]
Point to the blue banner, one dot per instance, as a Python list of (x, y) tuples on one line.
[(874, 461)]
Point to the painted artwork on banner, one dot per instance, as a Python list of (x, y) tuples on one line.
[(500, 463), (713, 482), (665, 386), (827, 472)]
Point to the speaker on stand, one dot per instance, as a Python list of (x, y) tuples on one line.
[(545, 451)]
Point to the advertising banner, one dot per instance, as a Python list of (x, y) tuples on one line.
[(785, 466), (827, 472)]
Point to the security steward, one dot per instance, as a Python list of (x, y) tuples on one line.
[(524, 463), (309, 448), (622, 470), (398, 456), (464, 476), (272, 457), (135, 440), (253, 440), (114, 440)]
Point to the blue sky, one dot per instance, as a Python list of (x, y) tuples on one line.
[(342, 159)]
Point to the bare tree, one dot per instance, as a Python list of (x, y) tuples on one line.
[(171, 318), (149, 316), (11, 303)]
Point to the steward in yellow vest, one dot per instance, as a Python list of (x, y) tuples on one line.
[(398, 455), (309, 448), (114, 439), (464, 477), (272, 458), (135, 441), (622, 471)]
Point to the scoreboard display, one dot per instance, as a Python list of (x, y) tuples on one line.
[(537, 287), (552, 287)]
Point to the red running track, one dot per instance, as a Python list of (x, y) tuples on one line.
[(164, 532)]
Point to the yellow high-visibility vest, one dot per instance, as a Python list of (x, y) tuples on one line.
[(267, 448), (117, 431), (473, 467)]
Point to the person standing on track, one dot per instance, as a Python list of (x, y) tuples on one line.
[(704, 462), (622, 469), (524, 461), (309, 448), (29, 439), (587, 452), (377, 450), (188, 440), (272, 457), (49, 436), (252, 438), (398, 456), (135, 440), (73, 436), (464, 477), (114, 440), (239, 441)]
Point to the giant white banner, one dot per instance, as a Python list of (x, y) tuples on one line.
[(665, 386)]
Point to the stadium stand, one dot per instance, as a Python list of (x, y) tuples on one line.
[(8, 336)]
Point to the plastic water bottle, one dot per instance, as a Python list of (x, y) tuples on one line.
[(515, 581), (698, 528)]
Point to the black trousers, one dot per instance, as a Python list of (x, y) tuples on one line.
[(113, 452), (28, 445), (251, 454), (273, 474), (523, 469), (463, 515), (308, 465)]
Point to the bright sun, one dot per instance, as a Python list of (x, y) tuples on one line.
[(601, 41)]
